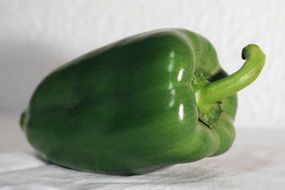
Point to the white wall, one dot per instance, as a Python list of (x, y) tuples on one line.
[(37, 36)]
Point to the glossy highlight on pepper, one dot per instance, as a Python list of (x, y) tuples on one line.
[(142, 103)]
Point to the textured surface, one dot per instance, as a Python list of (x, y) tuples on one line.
[(251, 164), (38, 36), (256, 161)]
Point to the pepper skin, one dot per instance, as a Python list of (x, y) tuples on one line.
[(148, 101)]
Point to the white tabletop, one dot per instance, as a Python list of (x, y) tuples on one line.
[(256, 161)]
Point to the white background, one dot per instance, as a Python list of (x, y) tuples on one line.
[(38, 36)]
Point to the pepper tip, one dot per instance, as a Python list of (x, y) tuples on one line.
[(249, 50)]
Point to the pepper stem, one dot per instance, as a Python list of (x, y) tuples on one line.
[(233, 83)]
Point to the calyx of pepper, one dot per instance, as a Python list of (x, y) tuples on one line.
[(208, 95)]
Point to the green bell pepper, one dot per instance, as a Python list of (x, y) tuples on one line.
[(148, 101)]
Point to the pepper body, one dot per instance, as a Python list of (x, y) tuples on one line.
[(133, 106)]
